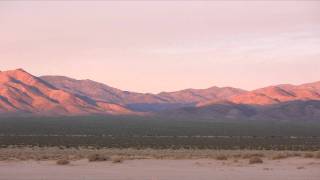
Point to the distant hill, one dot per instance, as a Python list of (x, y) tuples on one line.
[(300, 110), (279, 93)]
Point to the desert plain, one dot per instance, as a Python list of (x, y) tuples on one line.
[(149, 164)]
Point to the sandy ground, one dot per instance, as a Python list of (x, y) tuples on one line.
[(202, 169)]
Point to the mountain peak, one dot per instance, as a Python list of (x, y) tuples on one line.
[(20, 70), (19, 75), (17, 72)]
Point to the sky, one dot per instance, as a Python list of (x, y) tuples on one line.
[(155, 46)]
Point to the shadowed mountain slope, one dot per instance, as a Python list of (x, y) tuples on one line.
[(300, 110), (141, 101), (99, 91)]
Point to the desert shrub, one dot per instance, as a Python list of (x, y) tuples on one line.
[(317, 155), (97, 157), (221, 157), (295, 154), (63, 162), (255, 160), (279, 156), (236, 155), (250, 155), (44, 157), (257, 155), (308, 155), (117, 159)]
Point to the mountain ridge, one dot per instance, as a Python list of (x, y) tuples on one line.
[(139, 101), (23, 93)]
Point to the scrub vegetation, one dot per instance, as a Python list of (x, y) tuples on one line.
[(143, 132)]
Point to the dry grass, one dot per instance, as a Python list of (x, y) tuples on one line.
[(63, 162), (317, 155), (255, 160), (104, 154)]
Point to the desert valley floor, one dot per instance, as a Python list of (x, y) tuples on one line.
[(197, 169)]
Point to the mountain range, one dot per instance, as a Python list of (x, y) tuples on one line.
[(22, 93)]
